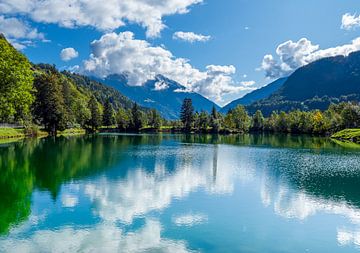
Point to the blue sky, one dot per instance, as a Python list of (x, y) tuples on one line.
[(223, 68)]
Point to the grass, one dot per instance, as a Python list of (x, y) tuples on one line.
[(9, 140), (346, 144), (352, 135), (72, 131), (6, 133), (13, 133)]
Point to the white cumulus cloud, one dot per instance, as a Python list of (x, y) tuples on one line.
[(19, 33), (248, 83), (350, 21), (103, 15), (102, 237), (68, 54), (191, 37), (121, 53), (190, 219), (292, 55)]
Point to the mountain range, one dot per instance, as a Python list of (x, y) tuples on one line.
[(161, 93), (256, 95), (316, 86)]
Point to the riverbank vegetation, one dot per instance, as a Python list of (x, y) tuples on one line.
[(348, 135), (337, 117)]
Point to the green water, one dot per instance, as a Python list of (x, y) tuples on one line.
[(176, 193)]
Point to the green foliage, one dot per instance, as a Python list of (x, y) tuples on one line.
[(350, 115), (136, 118), (90, 104), (335, 118), (238, 119), (6, 132), (50, 108), (63, 100), (257, 123), (76, 103), (154, 119), (16, 84), (215, 120), (203, 121), (123, 119), (95, 115), (109, 114), (99, 90), (352, 135), (187, 114)]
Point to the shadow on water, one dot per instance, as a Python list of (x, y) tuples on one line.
[(46, 164)]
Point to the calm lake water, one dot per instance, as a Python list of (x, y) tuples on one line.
[(176, 193)]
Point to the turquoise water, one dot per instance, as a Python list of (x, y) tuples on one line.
[(175, 193)]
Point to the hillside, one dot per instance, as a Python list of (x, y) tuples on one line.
[(332, 77), (316, 86), (101, 91), (163, 94), (256, 95)]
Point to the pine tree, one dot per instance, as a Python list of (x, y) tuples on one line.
[(155, 119), (203, 121), (215, 121), (95, 119), (187, 114), (109, 114), (50, 107), (136, 118)]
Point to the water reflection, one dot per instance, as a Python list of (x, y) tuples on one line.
[(110, 193)]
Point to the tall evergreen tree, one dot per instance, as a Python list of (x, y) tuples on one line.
[(109, 114), (136, 118), (196, 121), (215, 121), (155, 119), (203, 121), (95, 119), (187, 114), (50, 107)]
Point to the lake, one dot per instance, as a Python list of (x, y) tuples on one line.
[(177, 193)]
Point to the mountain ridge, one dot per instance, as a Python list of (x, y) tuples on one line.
[(161, 93), (255, 95), (316, 86)]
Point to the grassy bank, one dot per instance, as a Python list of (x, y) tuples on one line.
[(72, 131), (348, 135), (20, 133), (6, 133)]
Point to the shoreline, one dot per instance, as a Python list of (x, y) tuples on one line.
[(350, 136), (19, 134)]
